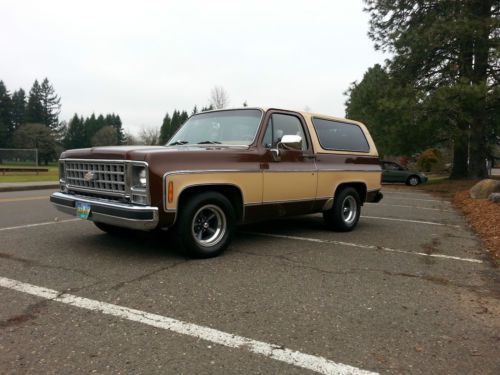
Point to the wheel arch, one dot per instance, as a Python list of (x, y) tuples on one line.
[(231, 191), (360, 187)]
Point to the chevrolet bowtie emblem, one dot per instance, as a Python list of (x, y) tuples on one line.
[(89, 176)]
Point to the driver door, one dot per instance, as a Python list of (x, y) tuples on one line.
[(289, 183)]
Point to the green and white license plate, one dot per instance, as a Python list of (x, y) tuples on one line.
[(82, 210)]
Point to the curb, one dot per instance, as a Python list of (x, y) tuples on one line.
[(28, 187)]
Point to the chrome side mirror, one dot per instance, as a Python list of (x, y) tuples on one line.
[(289, 142), (292, 142)]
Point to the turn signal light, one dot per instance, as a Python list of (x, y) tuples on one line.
[(170, 195)]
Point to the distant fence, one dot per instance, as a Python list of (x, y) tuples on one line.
[(19, 156)]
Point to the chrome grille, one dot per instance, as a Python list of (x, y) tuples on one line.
[(103, 176)]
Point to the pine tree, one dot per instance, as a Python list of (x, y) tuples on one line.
[(194, 111), (447, 50), (18, 108), (34, 109), (91, 127), (51, 107), (183, 118), (207, 108), (6, 123), (166, 129), (75, 136), (176, 121), (117, 124)]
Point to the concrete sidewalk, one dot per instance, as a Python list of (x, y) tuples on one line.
[(19, 186)]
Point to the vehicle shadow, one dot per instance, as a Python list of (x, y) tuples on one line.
[(132, 244)]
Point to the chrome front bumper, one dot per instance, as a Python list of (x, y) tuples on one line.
[(108, 212)]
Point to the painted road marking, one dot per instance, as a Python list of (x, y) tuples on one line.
[(419, 199), (405, 206), (295, 358), (7, 200), (411, 221), (416, 193), (38, 224), (371, 247)]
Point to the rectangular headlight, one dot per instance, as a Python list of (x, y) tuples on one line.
[(139, 177), (139, 184)]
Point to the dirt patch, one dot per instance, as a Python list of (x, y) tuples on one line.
[(484, 217)]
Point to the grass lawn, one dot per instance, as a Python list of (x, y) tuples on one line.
[(51, 175)]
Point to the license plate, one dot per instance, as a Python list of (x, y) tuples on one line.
[(82, 210)]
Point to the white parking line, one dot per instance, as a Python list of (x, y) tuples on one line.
[(405, 206), (295, 358), (414, 193), (418, 199), (38, 224), (411, 221), (371, 247)]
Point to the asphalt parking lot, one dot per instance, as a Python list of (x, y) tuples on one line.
[(410, 291)]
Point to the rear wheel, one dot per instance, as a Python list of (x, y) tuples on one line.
[(413, 181), (205, 225), (344, 215)]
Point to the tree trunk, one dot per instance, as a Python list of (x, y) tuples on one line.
[(479, 142), (478, 151), (460, 145)]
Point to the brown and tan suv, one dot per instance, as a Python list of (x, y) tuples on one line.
[(223, 168)]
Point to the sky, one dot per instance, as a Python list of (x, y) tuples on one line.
[(141, 59)]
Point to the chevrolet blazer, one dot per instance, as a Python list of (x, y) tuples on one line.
[(222, 168)]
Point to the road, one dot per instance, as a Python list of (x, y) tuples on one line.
[(410, 291)]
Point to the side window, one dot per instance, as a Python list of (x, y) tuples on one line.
[(342, 136), (280, 125)]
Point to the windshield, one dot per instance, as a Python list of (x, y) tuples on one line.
[(237, 127)]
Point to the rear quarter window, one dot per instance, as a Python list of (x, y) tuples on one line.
[(340, 136)]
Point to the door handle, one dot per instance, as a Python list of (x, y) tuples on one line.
[(309, 156)]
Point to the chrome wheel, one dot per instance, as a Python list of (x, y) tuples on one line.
[(413, 181), (209, 225), (349, 209)]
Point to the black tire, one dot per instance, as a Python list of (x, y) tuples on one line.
[(111, 229), (205, 225), (413, 180), (345, 212)]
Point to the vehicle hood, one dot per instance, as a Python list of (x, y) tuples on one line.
[(109, 152), (142, 153)]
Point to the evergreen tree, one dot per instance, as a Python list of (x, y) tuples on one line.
[(207, 108), (176, 121), (183, 117), (75, 136), (51, 107), (166, 129), (91, 127), (117, 124), (194, 111), (6, 123), (448, 50), (34, 109), (18, 108), (391, 112)]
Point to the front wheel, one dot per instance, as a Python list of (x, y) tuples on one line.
[(205, 225), (413, 181), (344, 215)]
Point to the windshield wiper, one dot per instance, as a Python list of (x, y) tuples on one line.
[(176, 143), (209, 143)]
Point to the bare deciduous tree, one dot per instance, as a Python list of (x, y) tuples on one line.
[(149, 136), (106, 136), (219, 98)]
